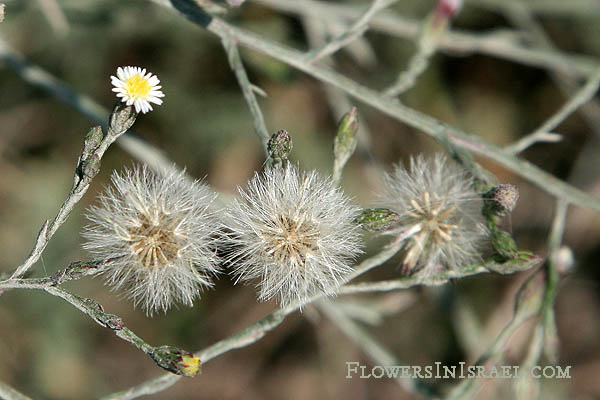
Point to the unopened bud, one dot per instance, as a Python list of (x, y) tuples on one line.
[(92, 141), (345, 141), (501, 199), (449, 8), (280, 146), (175, 360), (565, 261), (91, 167), (111, 321), (235, 3), (377, 219), (121, 119), (504, 244), (2, 11), (76, 270)]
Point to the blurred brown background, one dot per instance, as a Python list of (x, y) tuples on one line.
[(49, 350)]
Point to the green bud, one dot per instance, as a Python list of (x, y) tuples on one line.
[(121, 119), (175, 360), (76, 270), (504, 244), (91, 167), (92, 141), (111, 321), (501, 200), (345, 141), (377, 219), (280, 147)]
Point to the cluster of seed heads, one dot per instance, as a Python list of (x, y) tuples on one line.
[(294, 232)]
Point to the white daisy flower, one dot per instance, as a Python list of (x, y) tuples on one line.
[(294, 232), (136, 87), (159, 233)]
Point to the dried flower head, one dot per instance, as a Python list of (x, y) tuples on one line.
[(294, 232), (136, 87), (440, 219), (158, 232)]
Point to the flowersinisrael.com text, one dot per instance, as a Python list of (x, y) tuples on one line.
[(460, 371)]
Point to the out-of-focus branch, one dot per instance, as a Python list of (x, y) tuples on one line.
[(9, 393), (528, 303), (375, 350), (559, 8), (548, 315), (55, 16), (354, 32), (543, 133), (501, 44), (433, 29)]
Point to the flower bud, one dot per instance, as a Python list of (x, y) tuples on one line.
[(345, 141), (448, 8), (175, 360), (501, 199), (565, 261), (279, 146), (377, 219), (2, 11), (91, 167), (76, 270), (121, 119), (504, 244), (111, 321), (91, 142)]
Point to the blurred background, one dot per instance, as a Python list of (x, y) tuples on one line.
[(49, 350)]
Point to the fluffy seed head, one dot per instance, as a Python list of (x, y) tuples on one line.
[(159, 233), (294, 232), (440, 214), (136, 87)]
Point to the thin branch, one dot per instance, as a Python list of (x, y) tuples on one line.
[(395, 109), (441, 278), (543, 133), (247, 89), (354, 32), (432, 31), (338, 100), (160, 355), (81, 183)]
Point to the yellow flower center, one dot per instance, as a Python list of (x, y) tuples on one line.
[(190, 365), (138, 87)]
